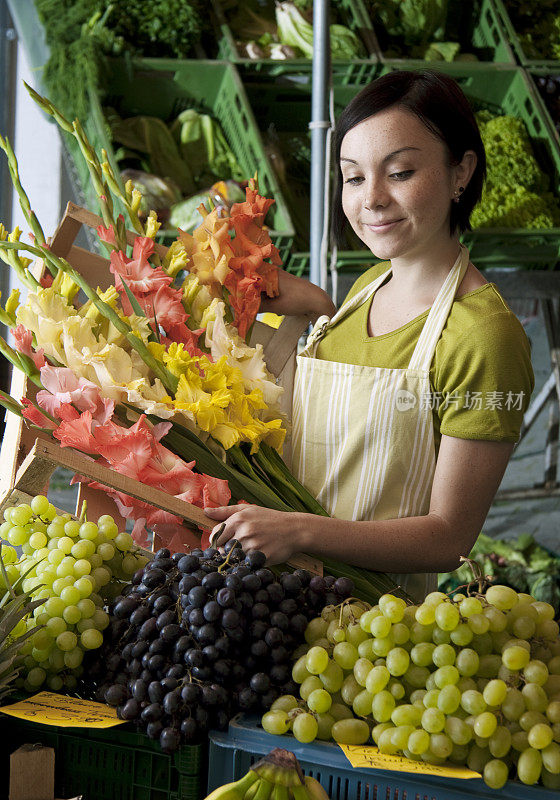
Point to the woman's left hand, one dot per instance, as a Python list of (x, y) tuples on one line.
[(274, 533)]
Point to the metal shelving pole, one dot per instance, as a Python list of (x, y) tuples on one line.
[(319, 125)]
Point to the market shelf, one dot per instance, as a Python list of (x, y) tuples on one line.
[(112, 763), (515, 42), (233, 752), (352, 13), (164, 88), (502, 89), (476, 26)]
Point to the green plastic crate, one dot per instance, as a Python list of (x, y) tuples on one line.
[(112, 763), (537, 72), (515, 42), (475, 26), (343, 71), (164, 88), (501, 89)]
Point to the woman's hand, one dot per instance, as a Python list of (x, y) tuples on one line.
[(298, 296), (274, 533)]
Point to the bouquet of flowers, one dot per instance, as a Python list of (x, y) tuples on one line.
[(154, 376)]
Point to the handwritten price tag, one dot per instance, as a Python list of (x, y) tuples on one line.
[(48, 708), (363, 756)]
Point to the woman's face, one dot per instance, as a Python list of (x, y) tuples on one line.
[(397, 184)]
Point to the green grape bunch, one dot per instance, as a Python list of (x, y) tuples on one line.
[(472, 679), (74, 565)]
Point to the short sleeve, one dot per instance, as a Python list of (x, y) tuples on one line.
[(483, 387)]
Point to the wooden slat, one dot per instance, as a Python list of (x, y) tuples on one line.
[(44, 455)]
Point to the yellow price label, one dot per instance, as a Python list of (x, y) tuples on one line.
[(49, 708), (370, 757)]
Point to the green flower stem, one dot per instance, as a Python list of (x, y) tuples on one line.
[(30, 215), (311, 503), (279, 482), (169, 381), (96, 173), (21, 362), (10, 404)]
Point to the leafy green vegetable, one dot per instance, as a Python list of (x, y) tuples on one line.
[(204, 147), (442, 51), (520, 563), (81, 35), (537, 24), (151, 137), (515, 194), (415, 21), (296, 31)]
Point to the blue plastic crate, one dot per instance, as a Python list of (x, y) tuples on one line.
[(232, 753)]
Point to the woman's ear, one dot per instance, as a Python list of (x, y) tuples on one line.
[(464, 170)]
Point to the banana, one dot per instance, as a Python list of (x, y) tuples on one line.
[(314, 789), (280, 792), (251, 791), (264, 791), (236, 790)]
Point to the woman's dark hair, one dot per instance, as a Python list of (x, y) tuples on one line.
[(438, 102)]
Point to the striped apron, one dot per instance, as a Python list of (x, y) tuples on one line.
[(363, 437)]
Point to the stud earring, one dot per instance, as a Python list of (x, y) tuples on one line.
[(458, 193)]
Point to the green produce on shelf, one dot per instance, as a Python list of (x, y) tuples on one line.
[(16, 609), (470, 680), (82, 35), (520, 563), (516, 191), (284, 30), (415, 21), (68, 566), (537, 24), (176, 161)]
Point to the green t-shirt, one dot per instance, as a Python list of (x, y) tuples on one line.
[(481, 375)]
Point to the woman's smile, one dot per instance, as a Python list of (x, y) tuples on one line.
[(382, 227)]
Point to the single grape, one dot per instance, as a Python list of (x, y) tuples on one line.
[(305, 728), (529, 766), (350, 731), (319, 701), (276, 722), (495, 773), (316, 660)]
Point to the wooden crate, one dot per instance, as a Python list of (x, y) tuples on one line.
[(29, 456)]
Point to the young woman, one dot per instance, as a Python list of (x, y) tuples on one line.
[(409, 399)]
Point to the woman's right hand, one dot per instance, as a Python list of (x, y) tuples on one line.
[(298, 296)]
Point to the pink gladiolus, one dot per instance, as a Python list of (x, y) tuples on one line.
[(137, 453), (63, 387), (107, 234), (23, 341), (77, 433), (34, 416), (139, 275), (183, 335)]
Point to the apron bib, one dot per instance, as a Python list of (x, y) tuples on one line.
[(363, 437)]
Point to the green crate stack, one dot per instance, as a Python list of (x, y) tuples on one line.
[(502, 90), (353, 14), (476, 26), (547, 72), (113, 763), (515, 42), (164, 88)]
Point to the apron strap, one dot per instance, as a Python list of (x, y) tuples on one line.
[(325, 322), (423, 354)]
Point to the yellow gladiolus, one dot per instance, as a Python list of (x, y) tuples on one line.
[(12, 303)]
